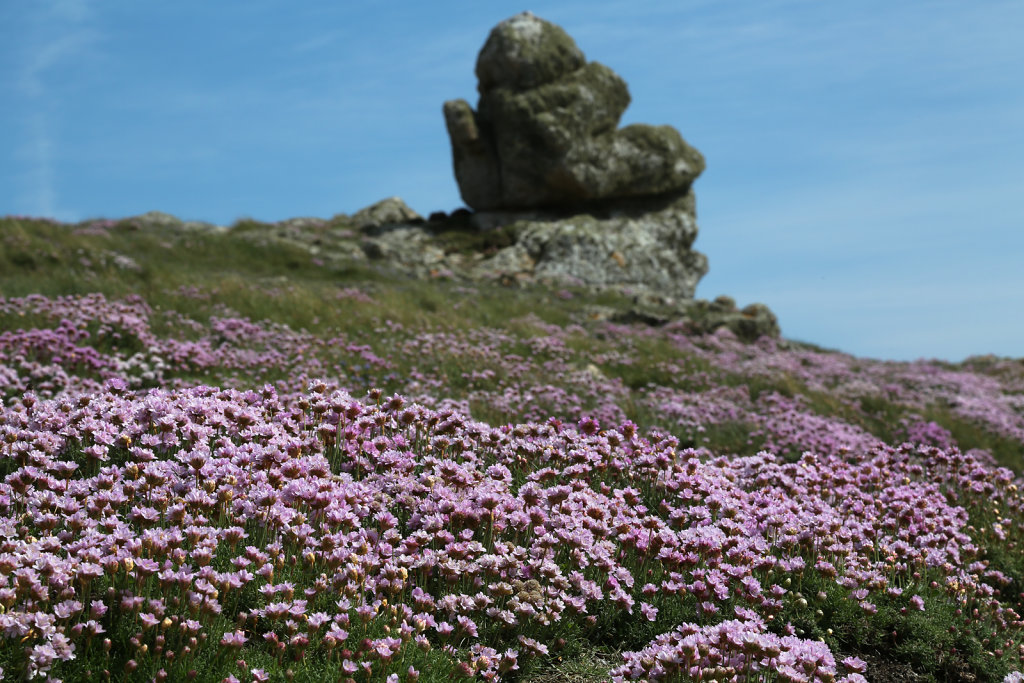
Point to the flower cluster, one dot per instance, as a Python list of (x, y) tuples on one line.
[(239, 521), (732, 650), (152, 525)]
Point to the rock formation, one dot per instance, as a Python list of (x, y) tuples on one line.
[(591, 203), (545, 132), (640, 247)]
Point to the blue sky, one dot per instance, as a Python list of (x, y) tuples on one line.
[(865, 159)]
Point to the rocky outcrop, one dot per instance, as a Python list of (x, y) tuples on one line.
[(699, 316), (749, 323), (543, 157), (638, 247), (545, 132)]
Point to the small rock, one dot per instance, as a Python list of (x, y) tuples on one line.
[(723, 304), (158, 219), (755, 321), (165, 221), (387, 212)]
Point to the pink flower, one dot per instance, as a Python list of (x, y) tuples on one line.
[(855, 665), (235, 639)]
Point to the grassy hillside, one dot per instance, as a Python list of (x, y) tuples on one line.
[(225, 456)]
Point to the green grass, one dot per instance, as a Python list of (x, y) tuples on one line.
[(259, 279)]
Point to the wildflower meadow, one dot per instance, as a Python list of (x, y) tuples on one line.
[(216, 474)]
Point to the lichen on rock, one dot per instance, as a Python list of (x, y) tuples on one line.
[(631, 248), (545, 131)]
